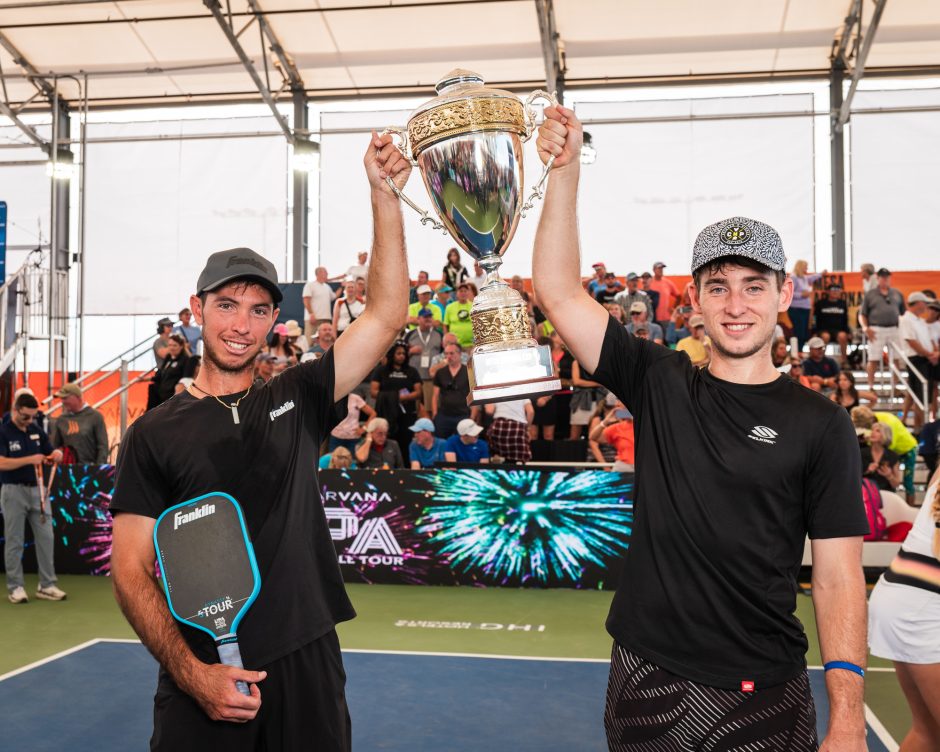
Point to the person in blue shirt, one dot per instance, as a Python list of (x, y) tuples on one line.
[(24, 448), (466, 445), (425, 449), (443, 298)]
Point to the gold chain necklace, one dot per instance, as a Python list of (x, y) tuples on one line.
[(233, 406)]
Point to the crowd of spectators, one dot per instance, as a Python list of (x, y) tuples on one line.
[(413, 411)]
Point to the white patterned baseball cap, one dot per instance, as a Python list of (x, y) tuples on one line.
[(739, 236)]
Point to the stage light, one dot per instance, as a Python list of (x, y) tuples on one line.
[(64, 166), (588, 152), (305, 157)]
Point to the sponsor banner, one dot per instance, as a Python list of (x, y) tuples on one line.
[(514, 528)]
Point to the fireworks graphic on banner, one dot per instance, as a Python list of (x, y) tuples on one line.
[(534, 527), (81, 497)]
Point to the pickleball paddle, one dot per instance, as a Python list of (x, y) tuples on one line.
[(208, 569)]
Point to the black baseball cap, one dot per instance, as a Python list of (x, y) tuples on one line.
[(238, 263), (882, 272)]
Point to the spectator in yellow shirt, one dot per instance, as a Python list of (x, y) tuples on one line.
[(697, 345), (457, 316)]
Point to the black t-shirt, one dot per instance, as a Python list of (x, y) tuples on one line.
[(831, 315), (188, 447), (606, 296), (730, 479), (15, 443), (888, 458), (454, 391)]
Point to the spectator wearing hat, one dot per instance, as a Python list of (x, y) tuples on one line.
[(697, 345), (24, 449), (457, 317), (595, 283), (454, 272), (280, 347), (296, 336), (918, 347), (192, 332), (633, 294), (509, 433), (478, 278), (831, 319), (611, 289), (424, 293), (821, 370), (442, 298), (466, 445), (639, 315), (616, 430), (318, 297), (80, 431), (348, 307), (668, 296), (802, 303), (426, 450), (424, 343), (879, 315), (161, 343), (264, 367), (642, 330), (413, 292), (646, 279), (451, 389), (325, 339)]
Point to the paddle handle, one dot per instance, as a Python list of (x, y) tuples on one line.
[(230, 655)]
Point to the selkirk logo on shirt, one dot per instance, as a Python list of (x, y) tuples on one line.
[(279, 411), (763, 434)]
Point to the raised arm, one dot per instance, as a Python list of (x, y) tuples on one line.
[(371, 334), (839, 601), (556, 265)]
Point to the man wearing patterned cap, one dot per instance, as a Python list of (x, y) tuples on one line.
[(707, 651)]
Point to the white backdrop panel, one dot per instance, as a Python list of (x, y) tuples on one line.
[(895, 188), (652, 188), (156, 210)]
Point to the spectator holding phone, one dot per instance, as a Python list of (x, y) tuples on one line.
[(879, 463), (677, 327), (617, 430)]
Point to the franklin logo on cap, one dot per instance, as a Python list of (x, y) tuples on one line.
[(238, 263), (739, 236)]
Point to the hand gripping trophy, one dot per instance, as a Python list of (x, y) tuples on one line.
[(467, 143)]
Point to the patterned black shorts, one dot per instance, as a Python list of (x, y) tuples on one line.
[(652, 710)]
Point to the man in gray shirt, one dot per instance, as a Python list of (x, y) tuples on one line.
[(634, 295), (80, 430), (881, 309), (424, 344)]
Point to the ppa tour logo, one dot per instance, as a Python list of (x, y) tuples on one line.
[(373, 543)]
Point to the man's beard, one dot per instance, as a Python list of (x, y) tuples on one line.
[(210, 356), (750, 352)]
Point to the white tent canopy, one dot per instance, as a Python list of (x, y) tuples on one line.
[(173, 51)]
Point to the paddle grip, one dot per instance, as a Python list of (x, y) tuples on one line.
[(230, 655)]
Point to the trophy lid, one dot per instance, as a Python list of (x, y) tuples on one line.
[(464, 103)]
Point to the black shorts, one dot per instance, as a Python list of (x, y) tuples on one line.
[(915, 382), (303, 706), (650, 709)]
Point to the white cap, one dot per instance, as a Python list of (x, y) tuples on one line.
[(467, 427), (917, 297), (815, 342), (421, 289)]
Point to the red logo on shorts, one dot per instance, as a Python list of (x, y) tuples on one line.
[(747, 686)]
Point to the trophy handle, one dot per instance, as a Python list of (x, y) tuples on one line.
[(405, 148), (539, 190)]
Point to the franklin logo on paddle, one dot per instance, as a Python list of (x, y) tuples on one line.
[(181, 518)]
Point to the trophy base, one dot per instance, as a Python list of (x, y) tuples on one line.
[(513, 373)]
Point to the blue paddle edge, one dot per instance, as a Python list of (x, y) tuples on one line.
[(227, 645)]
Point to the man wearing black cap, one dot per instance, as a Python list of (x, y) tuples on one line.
[(707, 651), (259, 443), (879, 316), (831, 319)]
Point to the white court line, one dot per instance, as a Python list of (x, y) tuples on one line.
[(48, 659), (876, 725), (880, 731)]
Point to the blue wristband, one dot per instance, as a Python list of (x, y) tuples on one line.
[(845, 665)]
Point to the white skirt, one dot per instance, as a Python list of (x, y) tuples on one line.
[(904, 623)]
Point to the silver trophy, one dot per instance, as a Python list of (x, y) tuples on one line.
[(467, 144)]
